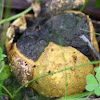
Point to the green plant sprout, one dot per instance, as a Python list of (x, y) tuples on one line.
[(93, 82), (2, 56), (5, 73)]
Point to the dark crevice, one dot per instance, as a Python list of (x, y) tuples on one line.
[(49, 72), (18, 34), (34, 66)]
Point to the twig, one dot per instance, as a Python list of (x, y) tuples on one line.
[(90, 45)]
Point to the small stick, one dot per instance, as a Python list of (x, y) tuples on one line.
[(91, 46)]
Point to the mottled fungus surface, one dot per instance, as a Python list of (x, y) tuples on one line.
[(63, 29)]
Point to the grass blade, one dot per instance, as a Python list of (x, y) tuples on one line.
[(7, 91), (1, 8), (82, 8), (80, 95), (89, 31), (16, 16), (97, 3), (60, 42)]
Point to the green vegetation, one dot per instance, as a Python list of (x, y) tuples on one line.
[(4, 70), (93, 82), (2, 56), (97, 3), (82, 8)]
